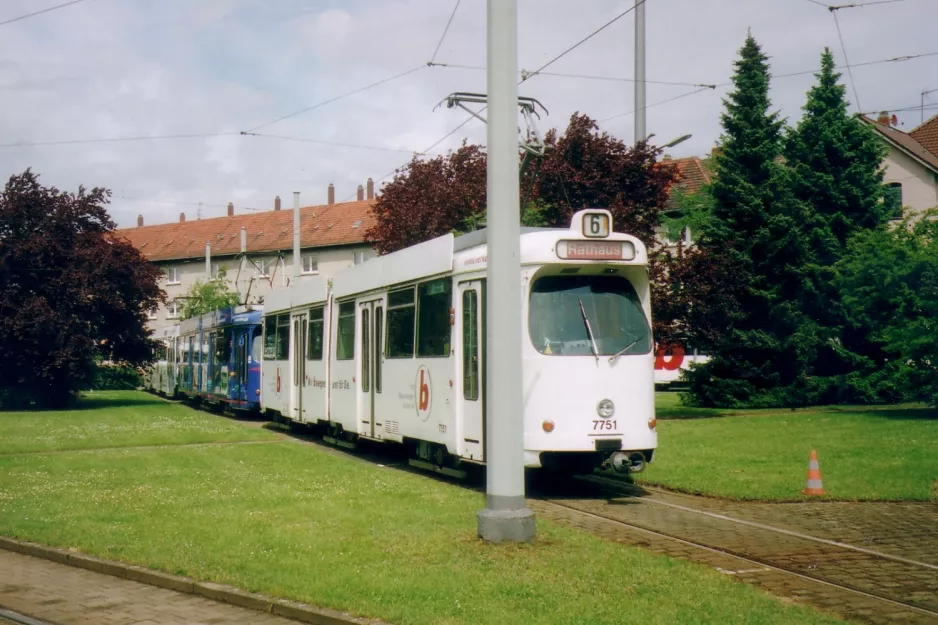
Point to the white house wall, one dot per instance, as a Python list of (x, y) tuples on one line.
[(919, 184), (192, 270)]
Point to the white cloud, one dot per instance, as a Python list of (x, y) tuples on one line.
[(114, 68)]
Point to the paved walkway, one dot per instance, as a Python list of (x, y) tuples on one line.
[(66, 595)]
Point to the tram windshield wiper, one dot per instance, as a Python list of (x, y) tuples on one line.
[(622, 351), (589, 330)]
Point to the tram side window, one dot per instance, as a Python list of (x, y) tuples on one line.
[(433, 328), (345, 335), (401, 317), (270, 337), (283, 337), (470, 345), (314, 339)]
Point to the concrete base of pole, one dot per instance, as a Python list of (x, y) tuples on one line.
[(500, 526)]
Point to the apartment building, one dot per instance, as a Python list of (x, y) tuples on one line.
[(254, 248)]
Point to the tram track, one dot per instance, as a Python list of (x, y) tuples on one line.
[(765, 571)]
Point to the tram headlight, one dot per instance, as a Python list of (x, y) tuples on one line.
[(548, 426), (606, 408)]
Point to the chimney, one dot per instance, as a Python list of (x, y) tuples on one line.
[(182, 218), (230, 209), (277, 203), (331, 194), (139, 221), (244, 239), (371, 189), (883, 118), (361, 193)]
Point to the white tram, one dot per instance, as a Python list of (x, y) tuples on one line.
[(393, 350)]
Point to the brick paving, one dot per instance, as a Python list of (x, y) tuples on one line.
[(66, 595), (906, 530)]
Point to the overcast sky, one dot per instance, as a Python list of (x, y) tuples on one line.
[(126, 68)]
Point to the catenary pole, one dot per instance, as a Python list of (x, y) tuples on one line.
[(640, 133), (505, 517)]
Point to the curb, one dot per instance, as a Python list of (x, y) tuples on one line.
[(216, 592)]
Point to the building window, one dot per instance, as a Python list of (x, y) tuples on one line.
[(215, 268), (151, 314), (265, 267), (172, 275), (173, 310), (433, 318), (892, 198), (401, 317), (310, 264), (358, 258)]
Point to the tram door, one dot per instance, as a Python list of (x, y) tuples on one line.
[(371, 322), (472, 342), (298, 358), (238, 376)]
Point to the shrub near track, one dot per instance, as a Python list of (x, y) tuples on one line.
[(865, 452), (299, 522)]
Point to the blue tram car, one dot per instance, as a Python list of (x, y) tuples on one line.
[(218, 359)]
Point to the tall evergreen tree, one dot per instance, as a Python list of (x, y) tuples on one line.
[(834, 166), (763, 354)]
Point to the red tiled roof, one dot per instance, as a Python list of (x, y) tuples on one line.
[(320, 226), (905, 142), (692, 176), (927, 135)]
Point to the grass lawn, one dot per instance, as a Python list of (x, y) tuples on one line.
[(298, 522), (117, 419), (864, 452)]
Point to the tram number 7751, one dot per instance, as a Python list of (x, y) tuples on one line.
[(603, 425)]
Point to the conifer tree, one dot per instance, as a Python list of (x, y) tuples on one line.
[(764, 352), (834, 166)]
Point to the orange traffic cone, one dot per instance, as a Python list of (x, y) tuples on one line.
[(813, 485)]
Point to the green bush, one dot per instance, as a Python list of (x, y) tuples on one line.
[(116, 378)]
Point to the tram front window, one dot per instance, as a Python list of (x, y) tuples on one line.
[(566, 310)]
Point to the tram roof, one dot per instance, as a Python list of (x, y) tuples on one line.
[(481, 237)]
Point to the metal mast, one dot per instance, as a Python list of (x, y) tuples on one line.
[(505, 517)]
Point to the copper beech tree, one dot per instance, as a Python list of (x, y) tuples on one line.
[(71, 293), (582, 168)]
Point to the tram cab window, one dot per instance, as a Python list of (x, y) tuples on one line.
[(558, 305), (314, 338), (256, 345), (434, 331), (270, 337), (401, 317), (345, 335)]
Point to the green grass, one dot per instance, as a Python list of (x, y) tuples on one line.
[(865, 453), (297, 522), (117, 419)]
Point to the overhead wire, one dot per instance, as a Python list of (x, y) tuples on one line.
[(658, 103), (34, 13), (339, 97), (584, 40), (445, 30), (523, 73), (356, 146), (23, 144), (843, 47)]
